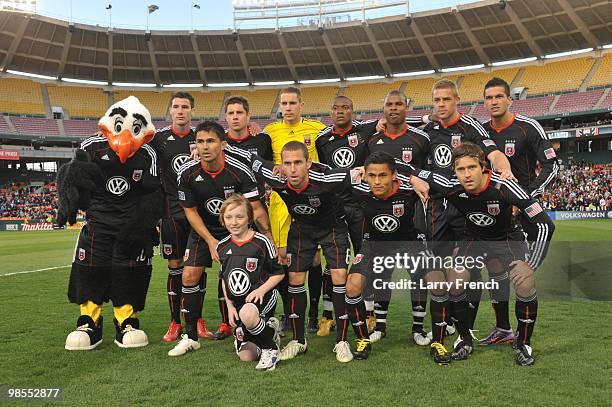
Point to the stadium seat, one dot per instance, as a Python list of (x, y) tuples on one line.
[(318, 100), (156, 102), (4, 126), (208, 104), (603, 75), (577, 102), (79, 101), (261, 102), (36, 126), (472, 86), (80, 127), (21, 96), (370, 96), (419, 90), (555, 76)]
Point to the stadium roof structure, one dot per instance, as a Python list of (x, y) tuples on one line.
[(471, 35)]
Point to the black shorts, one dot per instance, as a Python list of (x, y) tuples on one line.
[(303, 242), (504, 251), (197, 253), (445, 225), (369, 262), (97, 247), (174, 235), (354, 219)]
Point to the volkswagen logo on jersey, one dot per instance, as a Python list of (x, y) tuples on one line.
[(386, 223), (178, 161), (442, 155), (239, 282), (117, 186), (303, 209), (481, 219), (213, 205), (343, 157)]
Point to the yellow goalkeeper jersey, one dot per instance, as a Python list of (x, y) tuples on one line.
[(305, 131)]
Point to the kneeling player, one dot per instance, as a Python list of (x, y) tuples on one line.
[(486, 201), (250, 272)]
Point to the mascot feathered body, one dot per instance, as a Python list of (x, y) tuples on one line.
[(113, 177)]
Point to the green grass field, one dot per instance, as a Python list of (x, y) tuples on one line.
[(571, 343)]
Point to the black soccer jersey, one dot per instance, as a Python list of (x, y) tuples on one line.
[(316, 204), (115, 200), (173, 150), (488, 213), (525, 143), (348, 149), (444, 139), (207, 191), (260, 144), (410, 146), (245, 266)]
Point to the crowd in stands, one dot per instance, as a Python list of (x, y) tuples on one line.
[(27, 201), (581, 187)]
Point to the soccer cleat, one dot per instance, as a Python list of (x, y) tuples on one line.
[(496, 336), (462, 350), (223, 332), (203, 331), (370, 322), (440, 354), (173, 333), (268, 360), (86, 336), (313, 325), (343, 352), (129, 335), (421, 338), (185, 345), (275, 325), (376, 336), (292, 349), (325, 326), (364, 346), (523, 355)]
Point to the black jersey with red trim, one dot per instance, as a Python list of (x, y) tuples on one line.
[(207, 191), (245, 266), (525, 143), (260, 144), (173, 149), (488, 213), (410, 146), (114, 201), (316, 204), (443, 139)]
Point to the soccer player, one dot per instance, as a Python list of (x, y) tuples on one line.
[(293, 127), (173, 145), (250, 272), (486, 200), (203, 185), (525, 144), (409, 145), (317, 219), (444, 224)]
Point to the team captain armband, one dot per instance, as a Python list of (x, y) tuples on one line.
[(533, 209)]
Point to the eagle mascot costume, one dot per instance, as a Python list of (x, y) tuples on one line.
[(113, 178)]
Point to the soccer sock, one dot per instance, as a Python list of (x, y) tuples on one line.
[(369, 306), (203, 291), (474, 296), (380, 311), (174, 285), (297, 304), (438, 306), (461, 315), (499, 300), (356, 311), (191, 301), (282, 290), (264, 335), (419, 304), (123, 312), (327, 294), (338, 298), (368, 296), (222, 304), (92, 309), (526, 313), (315, 280)]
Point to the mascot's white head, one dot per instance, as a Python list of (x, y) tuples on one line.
[(127, 126)]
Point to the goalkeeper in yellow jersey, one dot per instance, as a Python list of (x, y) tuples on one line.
[(293, 127)]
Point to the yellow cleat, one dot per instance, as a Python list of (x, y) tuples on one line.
[(325, 326)]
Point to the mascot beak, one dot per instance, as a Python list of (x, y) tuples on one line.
[(123, 145)]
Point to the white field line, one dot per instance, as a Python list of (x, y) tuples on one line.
[(34, 271)]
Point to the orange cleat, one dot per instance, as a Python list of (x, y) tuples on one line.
[(203, 332), (174, 331)]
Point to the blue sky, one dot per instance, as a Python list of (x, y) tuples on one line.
[(172, 14)]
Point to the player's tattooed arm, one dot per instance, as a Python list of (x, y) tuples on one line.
[(197, 223)]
